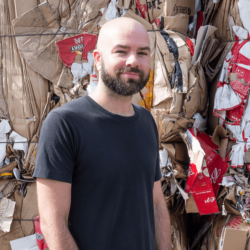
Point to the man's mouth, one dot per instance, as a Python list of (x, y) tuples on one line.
[(130, 74)]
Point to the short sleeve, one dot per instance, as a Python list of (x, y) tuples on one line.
[(55, 156), (158, 174)]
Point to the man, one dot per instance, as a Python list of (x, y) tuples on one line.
[(98, 175)]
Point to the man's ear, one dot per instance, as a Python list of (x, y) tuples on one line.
[(98, 59)]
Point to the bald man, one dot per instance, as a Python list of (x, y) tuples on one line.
[(98, 175)]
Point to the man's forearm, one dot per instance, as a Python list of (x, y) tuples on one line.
[(58, 237), (162, 226)]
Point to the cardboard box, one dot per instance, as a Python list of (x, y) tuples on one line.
[(175, 7), (230, 233)]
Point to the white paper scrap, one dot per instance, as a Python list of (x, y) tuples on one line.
[(25, 243), (7, 208), (163, 158), (4, 129)]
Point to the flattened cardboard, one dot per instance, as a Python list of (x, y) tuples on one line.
[(191, 206), (162, 88), (220, 138), (203, 34), (247, 156), (196, 98), (175, 7), (235, 233), (178, 23), (24, 118), (29, 209), (45, 58), (221, 15), (22, 6)]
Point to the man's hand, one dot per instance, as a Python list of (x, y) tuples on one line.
[(162, 222), (54, 199)]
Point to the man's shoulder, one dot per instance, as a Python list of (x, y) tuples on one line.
[(143, 111), (69, 113), (73, 107)]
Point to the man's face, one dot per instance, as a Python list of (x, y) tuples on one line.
[(128, 86), (125, 62)]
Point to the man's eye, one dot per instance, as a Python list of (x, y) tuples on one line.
[(121, 51), (143, 53)]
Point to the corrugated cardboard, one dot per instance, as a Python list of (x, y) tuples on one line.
[(184, 56), (191, 206), (39, 52), (178, 23), (220, 20), (29, 209), (22, 6), (24, 90), (162, 88), (196, 98), (175, 7), (178, 232), (234, 236), (6, 238)]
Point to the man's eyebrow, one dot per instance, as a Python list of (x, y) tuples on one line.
[(121, 46), (144, 48)]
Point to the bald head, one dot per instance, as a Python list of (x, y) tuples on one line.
[(120, 28), (123, 56)]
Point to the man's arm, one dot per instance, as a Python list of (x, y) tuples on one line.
[(54, 199), (162, 221)]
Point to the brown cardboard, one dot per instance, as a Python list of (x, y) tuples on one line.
[(175, 7), (169, 60), (12, 235), (220, 19), (177, 101), (44, 59), (24, 90), (162, 88), (178, 232), (22, 6), (178, 153), (172, 125), (126, 4), (178, 23), (220, 138), (235, 239), (8, 167), (247, 156), (29, 209), (91, 9), (3, 106), (235, 233), (191, 206), (215, 57), (196, 98), (60, 9), (181, 155)]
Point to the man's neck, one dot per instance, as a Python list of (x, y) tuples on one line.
[(114, 103)]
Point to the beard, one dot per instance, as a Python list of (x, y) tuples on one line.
[(126, 87)]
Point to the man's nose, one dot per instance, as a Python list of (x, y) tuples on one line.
[(132, 61)]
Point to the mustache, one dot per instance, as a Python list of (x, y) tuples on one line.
[(129, 69)]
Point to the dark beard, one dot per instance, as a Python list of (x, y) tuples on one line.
[(124, 88)]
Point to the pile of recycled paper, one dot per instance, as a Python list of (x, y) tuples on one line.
[(198, 94)]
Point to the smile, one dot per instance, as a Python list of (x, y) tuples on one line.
[(131, 74)]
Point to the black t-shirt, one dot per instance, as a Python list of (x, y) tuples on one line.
[(112, 162)]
